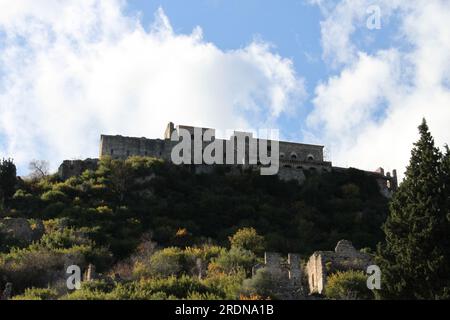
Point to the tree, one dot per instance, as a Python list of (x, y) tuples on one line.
[(348, 285), (8, 179), (446, 180), (248, 239), (415, 260), (39, 169)]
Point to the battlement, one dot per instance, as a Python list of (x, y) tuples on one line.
[(296, 160), (292, 154)]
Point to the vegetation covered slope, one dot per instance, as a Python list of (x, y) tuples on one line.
[(124, 199), (103, 217)]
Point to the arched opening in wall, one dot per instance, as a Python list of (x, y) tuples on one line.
[(310, 157), (293, 156), (282, 155)]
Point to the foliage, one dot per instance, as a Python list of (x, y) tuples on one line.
[(263, 284), (233, 261), (415, 259), (8, 179), (248, 239), (103, 216), (38, 294), (348, 285)]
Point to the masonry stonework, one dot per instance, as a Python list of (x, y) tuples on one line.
[(323, 263), (296, 160), (287, 273)]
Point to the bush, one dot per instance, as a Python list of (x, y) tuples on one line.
[(37, 294), (229, 285), (263, 284), (164, 263), (248, 239), (54, 195), (348, 285), (232, 261), (32, 267)]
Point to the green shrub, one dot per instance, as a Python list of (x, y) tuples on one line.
[(38, 294), (32, 267), (248, 239), (167, 262), (348, 285), (54, 195), (264, 284), (233, 260), (228, 284)]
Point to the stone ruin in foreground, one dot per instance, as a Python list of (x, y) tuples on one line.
[(294, 281), (297, 281)]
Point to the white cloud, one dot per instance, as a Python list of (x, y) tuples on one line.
[(71, 70), (370, 110)]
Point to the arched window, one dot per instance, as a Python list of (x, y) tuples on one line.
[(310, 157), (293, 156), (282, 155)]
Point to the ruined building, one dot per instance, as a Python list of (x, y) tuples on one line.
[(287, 274), (295, 159), (323, 263)]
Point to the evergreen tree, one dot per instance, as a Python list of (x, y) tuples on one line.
[(446, 181), (8, 179), (415, 258)]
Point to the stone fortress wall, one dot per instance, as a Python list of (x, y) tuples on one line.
[(296, 159), (292, 155)]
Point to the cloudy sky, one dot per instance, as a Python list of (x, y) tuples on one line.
[(73, 69)]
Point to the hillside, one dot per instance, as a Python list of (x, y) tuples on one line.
[(103, 216)]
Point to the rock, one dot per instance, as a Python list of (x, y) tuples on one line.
[(22, 229)]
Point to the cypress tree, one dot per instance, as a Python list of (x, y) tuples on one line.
[(8, 179), (414, 259)]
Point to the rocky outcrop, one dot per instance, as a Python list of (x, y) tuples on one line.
[(22, 229)]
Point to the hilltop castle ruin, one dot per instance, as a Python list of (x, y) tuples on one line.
[(295, 159)]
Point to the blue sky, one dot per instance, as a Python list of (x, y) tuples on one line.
[(291, 27), (72, 70)]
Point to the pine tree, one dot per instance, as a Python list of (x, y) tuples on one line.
[(415, 260)]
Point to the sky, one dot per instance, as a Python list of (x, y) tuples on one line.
[(356, 76)]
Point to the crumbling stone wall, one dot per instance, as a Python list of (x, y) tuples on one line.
[(323, 263), (287, 273), (296, 160), (70, 168)]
